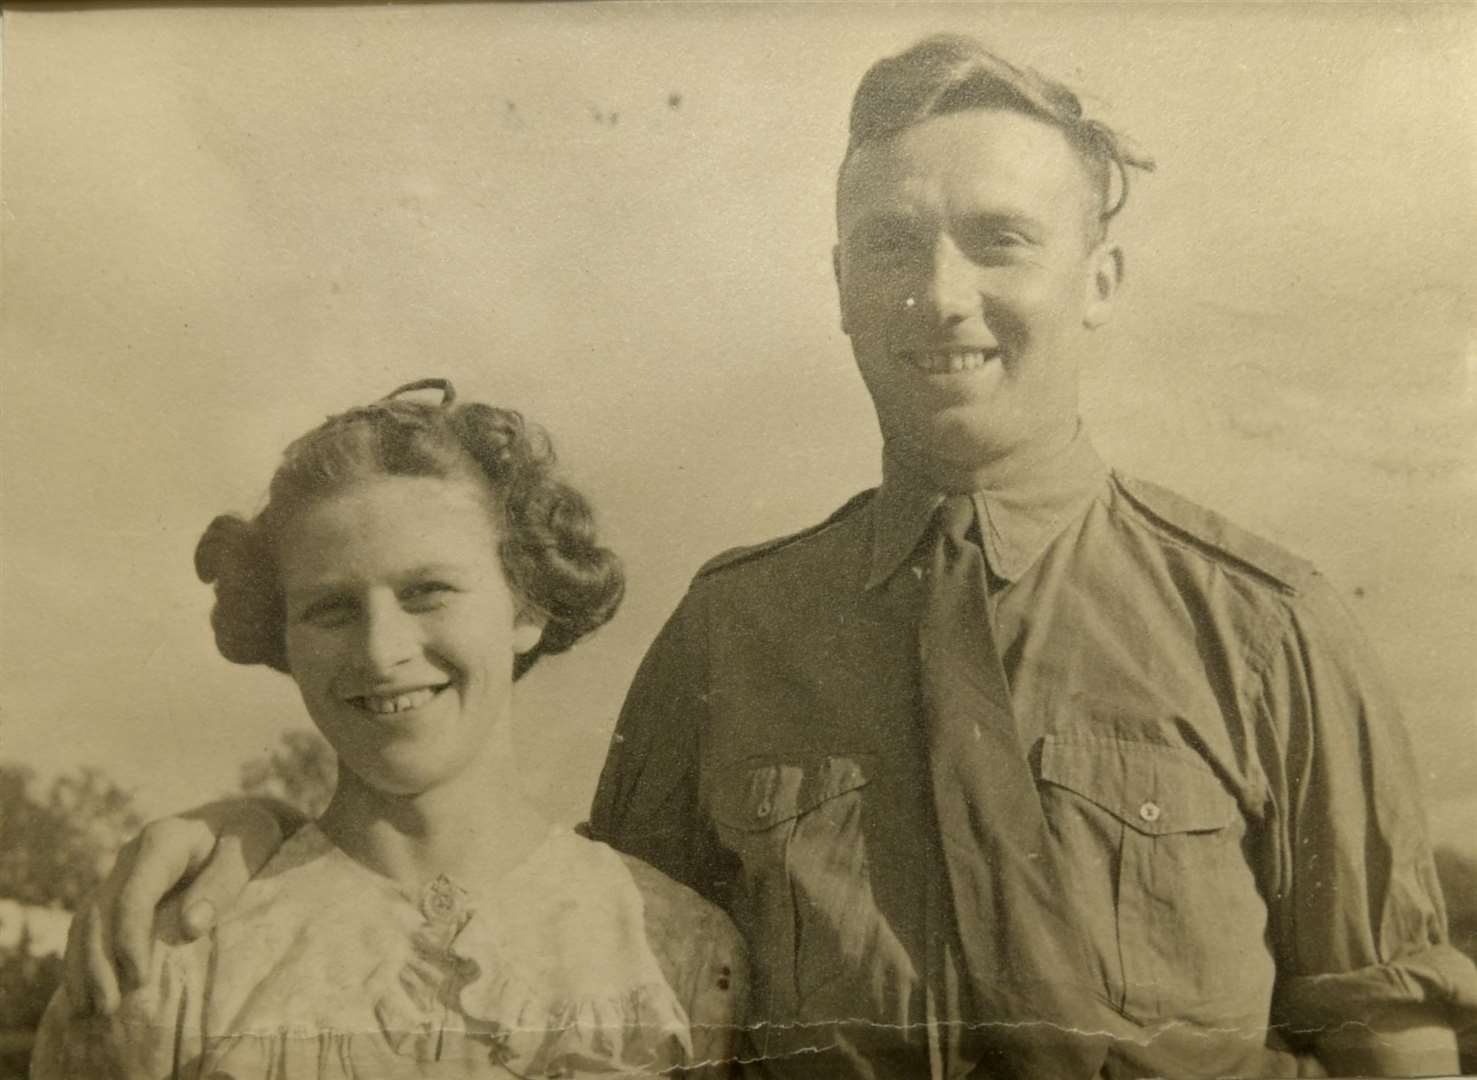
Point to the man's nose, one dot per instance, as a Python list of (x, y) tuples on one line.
[(391, 637), (953, 282)]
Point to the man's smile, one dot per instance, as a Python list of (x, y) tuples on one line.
[(947, 360)]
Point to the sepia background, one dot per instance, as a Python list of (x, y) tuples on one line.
[(221, 224)]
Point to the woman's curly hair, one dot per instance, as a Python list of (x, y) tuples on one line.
[(546, 530)]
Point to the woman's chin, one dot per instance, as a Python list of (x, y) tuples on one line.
[(404, 772)]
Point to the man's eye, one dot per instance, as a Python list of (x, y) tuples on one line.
[(999, 241), (892, 250), (887, 245)]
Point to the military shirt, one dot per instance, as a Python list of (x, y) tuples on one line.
[(1218, 757)]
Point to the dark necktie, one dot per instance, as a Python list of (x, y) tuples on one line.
[(1026, 966)]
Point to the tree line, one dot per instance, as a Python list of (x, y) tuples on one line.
[(58, 839)]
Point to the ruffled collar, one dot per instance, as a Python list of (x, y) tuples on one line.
[(549, 967)]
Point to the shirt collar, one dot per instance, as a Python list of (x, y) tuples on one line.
[(1018, 518)]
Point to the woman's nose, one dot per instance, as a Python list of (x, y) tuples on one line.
[(953, 282), (391, 637)]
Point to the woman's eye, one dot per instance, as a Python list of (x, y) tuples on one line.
[(327, 614), (426, 595)]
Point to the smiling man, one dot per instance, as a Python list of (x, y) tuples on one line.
[(1016, 766)]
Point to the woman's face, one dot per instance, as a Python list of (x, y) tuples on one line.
[(401, 628)]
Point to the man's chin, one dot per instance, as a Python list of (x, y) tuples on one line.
[(953, 456)]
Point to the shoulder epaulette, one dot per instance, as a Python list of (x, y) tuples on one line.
[(1209, 531), (738, 555)]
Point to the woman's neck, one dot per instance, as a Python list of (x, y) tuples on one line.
[(474, 826)]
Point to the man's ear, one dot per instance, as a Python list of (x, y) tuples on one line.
[(1102, 284), (840, 296), (528, 628)]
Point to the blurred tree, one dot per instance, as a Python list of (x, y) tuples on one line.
[(56, 847), (302, 771)]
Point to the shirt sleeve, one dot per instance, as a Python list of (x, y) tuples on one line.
[(647, 801), (1359, 922)]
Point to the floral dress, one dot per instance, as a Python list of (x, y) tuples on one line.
[(581, 961)]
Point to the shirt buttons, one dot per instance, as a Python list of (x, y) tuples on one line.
[(1151, 812), (763, 809)]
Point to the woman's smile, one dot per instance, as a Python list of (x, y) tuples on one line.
[(389, 702)]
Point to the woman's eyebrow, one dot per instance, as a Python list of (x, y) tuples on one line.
[(306, 596), (434, 569), (310, 603)]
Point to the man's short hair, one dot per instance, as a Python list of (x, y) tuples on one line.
[(948, 73)]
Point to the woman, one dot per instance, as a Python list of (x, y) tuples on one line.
[(412, 561)]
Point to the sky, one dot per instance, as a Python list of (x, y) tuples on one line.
[(220, 224)]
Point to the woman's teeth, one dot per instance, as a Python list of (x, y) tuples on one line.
[(382, 705), (946, 361)]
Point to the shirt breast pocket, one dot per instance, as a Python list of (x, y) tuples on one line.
[(803, 897), (1155, 837)]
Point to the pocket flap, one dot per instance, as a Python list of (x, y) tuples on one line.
[(761, 793), (1152, 789)]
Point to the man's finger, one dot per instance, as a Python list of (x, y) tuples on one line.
[(244, 847), (102, 989), (89, 979), (169, 851), (74, 964), (74, 959)]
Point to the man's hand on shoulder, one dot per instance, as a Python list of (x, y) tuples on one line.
[(212, 852)]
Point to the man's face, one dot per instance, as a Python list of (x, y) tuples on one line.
[(968, 278)]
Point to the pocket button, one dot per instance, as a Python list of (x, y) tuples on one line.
[(1151, 812), (762, 811)]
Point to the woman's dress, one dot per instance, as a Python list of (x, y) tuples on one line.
[(580, 961)]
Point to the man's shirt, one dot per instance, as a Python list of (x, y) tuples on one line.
[(1218, 758)]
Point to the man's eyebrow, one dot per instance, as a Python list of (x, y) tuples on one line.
[(887, 219), (988, 220), (885, 224)]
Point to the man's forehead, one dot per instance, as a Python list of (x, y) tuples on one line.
[(976, 157)]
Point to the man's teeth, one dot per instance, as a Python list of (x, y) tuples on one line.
[(943, 361), (377, 703)]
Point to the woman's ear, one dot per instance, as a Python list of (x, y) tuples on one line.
[(528, 628), (840, 293)]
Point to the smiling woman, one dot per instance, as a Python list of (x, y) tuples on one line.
[(412, 562)]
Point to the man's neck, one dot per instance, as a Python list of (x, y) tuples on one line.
[(990, 473)]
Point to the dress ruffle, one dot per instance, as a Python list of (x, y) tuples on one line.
[(327, 970), (550, 971), (572, 981)]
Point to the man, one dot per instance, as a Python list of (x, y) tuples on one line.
[(1017, 766)]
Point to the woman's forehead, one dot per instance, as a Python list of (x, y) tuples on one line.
[(379, 522)]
